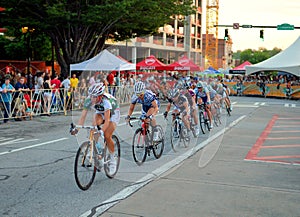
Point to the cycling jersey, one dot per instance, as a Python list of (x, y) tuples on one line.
[(180, 102), (108, 102), (149, 97), (202, 94)]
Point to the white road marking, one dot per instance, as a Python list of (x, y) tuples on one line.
[(32, 146)]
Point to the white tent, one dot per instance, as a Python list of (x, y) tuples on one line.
[(287, 60), (104, 61)]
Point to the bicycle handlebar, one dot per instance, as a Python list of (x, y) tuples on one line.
[(73, 126), (131, 118), (134, 118)]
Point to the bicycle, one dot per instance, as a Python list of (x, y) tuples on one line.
[(89, 160), (178, 133), (143, 143), (203, 118)]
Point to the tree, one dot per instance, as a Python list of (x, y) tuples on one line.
[(79, 29), (255, 56)]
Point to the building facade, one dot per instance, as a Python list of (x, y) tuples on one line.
[(225, 53), (182, 36)]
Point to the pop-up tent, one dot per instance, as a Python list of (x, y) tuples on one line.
[(287, 60), (150, 63), (240, 69), (183, 64), (104, 61), (211, 70)]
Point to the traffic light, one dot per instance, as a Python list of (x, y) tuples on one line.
[(261, 34), (226, 34)]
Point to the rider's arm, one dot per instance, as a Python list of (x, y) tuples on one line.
[(168, 107), (155, 106), (82, 117), (131, 109)]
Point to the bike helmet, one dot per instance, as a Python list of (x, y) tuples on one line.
[(97, 89), (199, 85), (139, 87), (174, 93)]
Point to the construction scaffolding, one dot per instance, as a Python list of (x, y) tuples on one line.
[(211, 39)]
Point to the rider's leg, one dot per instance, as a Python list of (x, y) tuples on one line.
[(108, 136), (209, 114), (186, 121)]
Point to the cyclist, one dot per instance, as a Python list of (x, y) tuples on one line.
[(181, 105), (189, 93), (150, 105), (203, 96), (226, 95), (107, 113)]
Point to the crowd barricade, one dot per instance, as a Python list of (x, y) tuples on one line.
[(25, 105), (268, 90)]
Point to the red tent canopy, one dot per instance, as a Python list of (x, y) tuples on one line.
[(150, 63), (242, 66), (183, 64)]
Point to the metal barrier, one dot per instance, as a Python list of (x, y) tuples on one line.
[(25, 105)]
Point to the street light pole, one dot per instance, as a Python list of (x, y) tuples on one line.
[(28, 52)]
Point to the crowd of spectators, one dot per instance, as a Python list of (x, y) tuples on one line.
[(74, 87)]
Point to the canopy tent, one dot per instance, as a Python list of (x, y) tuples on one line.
[(287, 60), (240, 69), (211, 70), (150, 63), (183, 64), (104, 61)]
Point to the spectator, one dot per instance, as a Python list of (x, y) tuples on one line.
[(111, 83), (7, 90), (55, 84), (47, 95), (66, 84), (74, 82), (93, 79), (22, 92)]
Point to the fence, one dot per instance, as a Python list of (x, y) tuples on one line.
[(46, 102)]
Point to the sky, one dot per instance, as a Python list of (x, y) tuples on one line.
[(260, 13)]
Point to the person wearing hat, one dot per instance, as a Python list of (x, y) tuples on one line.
[(7, 90)]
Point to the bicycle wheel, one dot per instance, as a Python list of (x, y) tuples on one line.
[(139, 147), (111, 169), (184, 135), (202, 122), (175, 135), (84, 168), (158, 146)]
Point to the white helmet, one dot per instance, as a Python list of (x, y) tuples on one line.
[(139, 87), (97, 89)]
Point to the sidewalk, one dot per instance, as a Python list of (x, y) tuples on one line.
[(227, 186)]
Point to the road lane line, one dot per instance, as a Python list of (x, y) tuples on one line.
[(3, 139), (32, 146), (11, 141), (281, 146), (126, 192)]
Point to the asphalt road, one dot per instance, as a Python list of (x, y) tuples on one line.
[(37, 158)]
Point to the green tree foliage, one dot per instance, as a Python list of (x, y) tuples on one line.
[(79, 29), (15, 47), (255, 56)]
